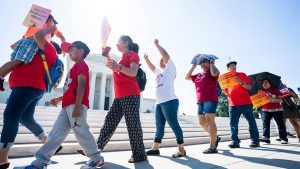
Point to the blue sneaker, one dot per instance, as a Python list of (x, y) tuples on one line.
[(31, 167), (92, 164)]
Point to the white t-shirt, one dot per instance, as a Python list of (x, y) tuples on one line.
[(165, 83)]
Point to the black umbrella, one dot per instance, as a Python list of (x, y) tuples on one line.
[(256, 79)]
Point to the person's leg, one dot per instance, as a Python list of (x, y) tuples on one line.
[(248, 113), (201, 117), (28, 120), (83, 135), (160, 122), (110, 125), (278, 117), (234, 115), (210, 110), (296, 126), (170, 110), (130, 107), (57, 135), (18, 101), (267, 116)]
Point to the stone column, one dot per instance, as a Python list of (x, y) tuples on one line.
[(92, 88), (102, 91)]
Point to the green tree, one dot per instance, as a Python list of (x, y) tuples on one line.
[(222, 109)]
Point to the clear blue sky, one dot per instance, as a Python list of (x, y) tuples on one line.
[(259, 35)]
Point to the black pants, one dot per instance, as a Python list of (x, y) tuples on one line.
[(129, 107), (267, 116)]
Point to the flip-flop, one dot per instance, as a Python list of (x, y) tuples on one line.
[(179, 154)]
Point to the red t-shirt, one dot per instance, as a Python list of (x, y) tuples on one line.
[(71, 84), (33, 73), (125, 85), (274, 93), (238, 95), (206, 87)]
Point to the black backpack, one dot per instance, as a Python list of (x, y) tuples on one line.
[(141, 78)]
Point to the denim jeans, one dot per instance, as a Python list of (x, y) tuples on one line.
[(278, 117), (60, 130), (167, 111), (20, 109), (235, 113)]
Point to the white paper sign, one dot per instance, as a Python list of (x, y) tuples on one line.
[(105, 31), (37, 16)]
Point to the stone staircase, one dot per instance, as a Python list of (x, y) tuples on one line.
[(26, 143)]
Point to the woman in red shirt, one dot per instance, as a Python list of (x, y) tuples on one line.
[(127, 100), (272, 110)]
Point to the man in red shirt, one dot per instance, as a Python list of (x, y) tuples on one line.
[(240, 103), (28, 84)]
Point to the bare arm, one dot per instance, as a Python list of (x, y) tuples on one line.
[(149, 63), (131, 71), (162, 51), (39, 36), (213, 69), (245, 85), (79, 95), (189, 74)]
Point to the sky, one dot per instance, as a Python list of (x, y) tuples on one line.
[(259, 35)]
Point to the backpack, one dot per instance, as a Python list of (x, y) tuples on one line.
[(54, 75), (141, 78)]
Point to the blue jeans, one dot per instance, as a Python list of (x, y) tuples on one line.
[(207, 107), (167, 111), (20, 109), (278, 117), (235, 113)]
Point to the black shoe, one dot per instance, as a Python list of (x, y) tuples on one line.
[(153, 152), (58, 150), (4, 166), (217, 142), (210, 151), (278, 139), (1, 84), (254, 145), (234, 145), (265, 140)]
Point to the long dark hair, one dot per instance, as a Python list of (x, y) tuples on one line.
[(131, 46)]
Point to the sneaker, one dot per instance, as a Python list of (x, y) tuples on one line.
[(153, 152), (278, 139), (217, 142), (290, 135), (284, 141), (92, 164), (31, 167), (210, 151), (254, 145), (265, 140), (234, 145)]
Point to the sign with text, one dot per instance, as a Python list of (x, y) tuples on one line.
[(259, 99), (285, 92), (227, 80), (105, 31), (37, 16)]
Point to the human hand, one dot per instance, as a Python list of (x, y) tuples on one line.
[(156, 41), (76, 112)]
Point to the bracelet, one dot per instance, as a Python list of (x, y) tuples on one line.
[(121, 66)]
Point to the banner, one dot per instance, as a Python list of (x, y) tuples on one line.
[(259, 99), (105, 31), (285, 92), (227, 80), (37, 16)]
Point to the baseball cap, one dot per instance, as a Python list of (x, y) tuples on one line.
[(65, 46)]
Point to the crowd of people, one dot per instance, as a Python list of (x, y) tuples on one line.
[(28, 85)]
